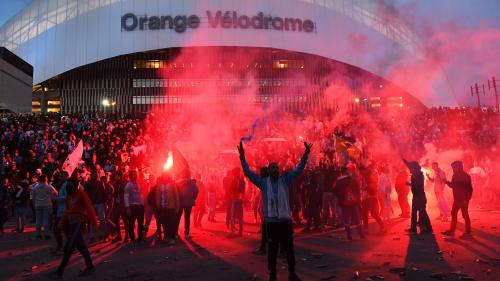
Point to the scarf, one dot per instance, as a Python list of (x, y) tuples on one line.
[(277, 207)]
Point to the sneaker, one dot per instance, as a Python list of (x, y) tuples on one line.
[(448, 233), (87, 271), (466, 236)]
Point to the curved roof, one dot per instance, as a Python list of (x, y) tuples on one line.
[(58, 35)]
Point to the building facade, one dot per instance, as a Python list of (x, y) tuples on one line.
[(68, 42), (16, 80)]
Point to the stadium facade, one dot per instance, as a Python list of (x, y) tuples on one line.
[(125, 55)]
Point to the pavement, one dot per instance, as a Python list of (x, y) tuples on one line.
[(213, 254)]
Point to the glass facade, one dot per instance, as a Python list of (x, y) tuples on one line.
[(171, 78)]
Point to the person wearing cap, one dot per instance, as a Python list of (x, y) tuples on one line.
[(461, 185), (419, 200), (275, 196)]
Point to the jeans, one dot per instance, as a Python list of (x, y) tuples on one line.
[(187, 219), (212, 204), (403, 204), (280, 233), (328, 201), (463, 205), (99, 211), (75, 240), (350, 216), (42, 220), (19, 213), (371, 206), (136, 214), (229, 215), (444, 210), (418, 205), (117, 213), (237, 215)]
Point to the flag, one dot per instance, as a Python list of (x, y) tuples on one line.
[(343, 145), (73, 158)]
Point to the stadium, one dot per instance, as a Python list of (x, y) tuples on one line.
[(124, 56)]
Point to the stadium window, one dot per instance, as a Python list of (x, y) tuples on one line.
[(35, 103), (53, 102)]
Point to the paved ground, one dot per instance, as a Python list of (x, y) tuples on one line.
[(213, 255)]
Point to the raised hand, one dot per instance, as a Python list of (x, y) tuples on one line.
[(241, 150), (308, 147)]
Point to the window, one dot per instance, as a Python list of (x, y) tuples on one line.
[(54, 102)]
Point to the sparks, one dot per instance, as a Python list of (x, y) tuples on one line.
[(169, 163)]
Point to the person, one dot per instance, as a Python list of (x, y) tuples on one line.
[(134, 205), (384, 193), (275, 195), (419, 200), (212, 200), (188, 191), (369, 203), (5, 201), (95, 190), (348, 193), (228, 196), (153, 199), (328, 199), (20, 200), (119, 210), (200, 206), (313, 199), (461, 184), (237, 208), (109, 227), (61, 208), (42, 198), (79, 210), (402, 190), (439, 181), (169, 207)]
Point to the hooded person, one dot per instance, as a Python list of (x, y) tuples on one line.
[(461, 184), (275, 197), (419, 200)]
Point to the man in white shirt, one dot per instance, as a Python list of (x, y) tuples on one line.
[(439, 181)]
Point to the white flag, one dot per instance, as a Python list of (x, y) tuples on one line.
[(73, 159)]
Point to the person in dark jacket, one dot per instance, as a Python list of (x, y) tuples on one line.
[(348, 193), (20, 200), (461, 185), (419, 201), (402, 190), (97, 194), (5, 201), (188, 191), (119, 210), (313, 199)]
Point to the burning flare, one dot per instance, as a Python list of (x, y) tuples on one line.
[(169, 163)]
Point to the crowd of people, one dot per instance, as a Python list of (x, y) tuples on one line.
[(353, 171)]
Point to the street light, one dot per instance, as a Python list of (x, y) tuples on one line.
[(105, 102)]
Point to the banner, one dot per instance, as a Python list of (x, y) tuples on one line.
[(73, 159)]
